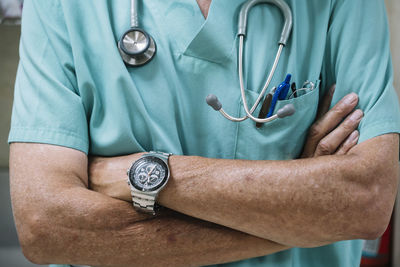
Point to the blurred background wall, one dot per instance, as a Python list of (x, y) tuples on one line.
[(393, 8), (9, 38)]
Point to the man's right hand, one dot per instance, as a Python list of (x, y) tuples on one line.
[(335, 130)]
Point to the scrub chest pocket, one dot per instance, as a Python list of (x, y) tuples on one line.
[(280, 139)]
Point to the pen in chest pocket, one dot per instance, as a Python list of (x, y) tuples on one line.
[(280, 94)]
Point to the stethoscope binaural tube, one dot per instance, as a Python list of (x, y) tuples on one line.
[(136, 46), (287, 110), (285, 9)]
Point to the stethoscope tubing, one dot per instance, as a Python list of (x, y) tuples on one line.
[(242, 89), (287, 110), (134, 14), (241, 82), (141, 58), (227, 116)]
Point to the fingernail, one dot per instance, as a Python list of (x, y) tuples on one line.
[(350, 98), (357, 115), (354, 136)]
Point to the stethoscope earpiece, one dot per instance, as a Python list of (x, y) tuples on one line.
[(212, 101), (286, 111)]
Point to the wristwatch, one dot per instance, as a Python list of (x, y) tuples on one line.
[(147, 177)]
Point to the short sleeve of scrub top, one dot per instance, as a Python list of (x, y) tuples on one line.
[(47, 107), (357, 59), (71, 82)]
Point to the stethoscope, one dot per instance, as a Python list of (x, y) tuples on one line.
[(137, 48), (288, 109)]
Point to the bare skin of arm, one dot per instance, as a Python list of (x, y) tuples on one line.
[(306, 202), (60, 221)]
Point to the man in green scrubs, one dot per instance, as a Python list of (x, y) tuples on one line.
[(75, 98)]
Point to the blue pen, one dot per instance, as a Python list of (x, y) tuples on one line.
[(280, 94)]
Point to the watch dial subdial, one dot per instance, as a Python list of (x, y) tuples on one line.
[(142, 177), (154, 178)]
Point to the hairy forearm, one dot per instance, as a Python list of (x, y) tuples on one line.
[(306, 202), (60, 221), (87, 228), (301, 203)]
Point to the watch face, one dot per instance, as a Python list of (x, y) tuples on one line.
[(148, 173)]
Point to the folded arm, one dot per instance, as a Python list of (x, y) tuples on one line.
[(306, 202), (60, 221)]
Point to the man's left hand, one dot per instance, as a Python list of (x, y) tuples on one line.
[(335, 130)]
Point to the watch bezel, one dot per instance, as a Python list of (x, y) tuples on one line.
[(138, 162)]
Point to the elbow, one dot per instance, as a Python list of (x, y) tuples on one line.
[(375, 210), (371, 229), (376, 218), (373, 182), (374, 231), (34, 238)]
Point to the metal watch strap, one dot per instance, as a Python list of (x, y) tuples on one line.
[(160, 154), (145, 202)]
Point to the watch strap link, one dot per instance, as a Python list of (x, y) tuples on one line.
[(162, 155), (144, 202)]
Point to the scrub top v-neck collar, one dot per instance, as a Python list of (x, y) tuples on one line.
[(211, 39)]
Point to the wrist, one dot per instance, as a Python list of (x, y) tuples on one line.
[(178, 166), (107, 175)]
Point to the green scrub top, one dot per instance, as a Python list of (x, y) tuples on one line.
[(73, 89)]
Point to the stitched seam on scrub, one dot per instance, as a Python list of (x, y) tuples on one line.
[(60, 131)]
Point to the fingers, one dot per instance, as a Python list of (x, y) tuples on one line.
[(326, 102), (323, 126), (350, 142), (330, 143)]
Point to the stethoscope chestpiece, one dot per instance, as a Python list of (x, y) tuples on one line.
[(136, 47)]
